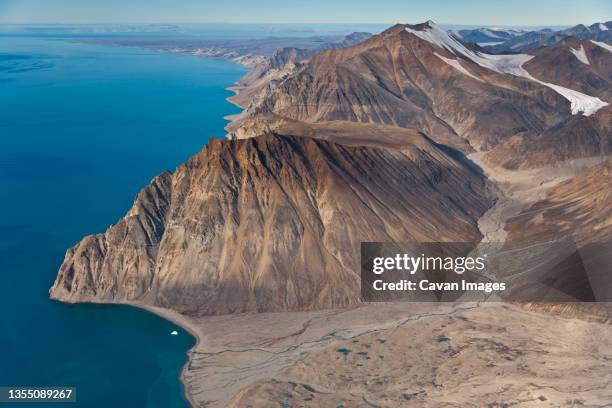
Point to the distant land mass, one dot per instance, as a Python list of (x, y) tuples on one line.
[(245, 51)]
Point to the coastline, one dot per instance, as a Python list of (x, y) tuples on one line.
[(235, 89), (183, 322), (166, 314)]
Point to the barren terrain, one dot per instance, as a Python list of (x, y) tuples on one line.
[(399, 354)]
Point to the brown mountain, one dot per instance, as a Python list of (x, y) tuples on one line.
[(272, 223), (579, 65), (532, 40), (282, 62), (420, 77), (278, 67), (408, 76), (372, 145)]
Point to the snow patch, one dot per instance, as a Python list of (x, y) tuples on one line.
[(508, 64), (511, 31), (603, 45), (580, 54), (486, 44), (490, 33), (603, 27), (457, 34), (504, 64), (457, 65), (580, 103)]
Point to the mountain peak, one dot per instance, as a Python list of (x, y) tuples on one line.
[(434, 34), (427, 25)]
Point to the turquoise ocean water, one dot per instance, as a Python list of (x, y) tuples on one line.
[(82, 128)]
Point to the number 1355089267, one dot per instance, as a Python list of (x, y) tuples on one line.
[(37, 394)]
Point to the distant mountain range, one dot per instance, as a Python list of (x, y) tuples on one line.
[(245, 51), (423, 78), (507, 40)]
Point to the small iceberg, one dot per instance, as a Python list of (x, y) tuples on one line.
[(174, 333)]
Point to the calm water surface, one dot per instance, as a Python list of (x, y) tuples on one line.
[(82, 129)]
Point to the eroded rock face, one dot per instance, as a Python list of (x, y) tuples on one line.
[(272, 223)]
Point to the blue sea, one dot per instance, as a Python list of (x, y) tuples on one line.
[(82, 128)]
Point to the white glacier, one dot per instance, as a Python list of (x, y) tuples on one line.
[(507, 64), (486, 44), (603, 45), (457, 65), (580, 54)]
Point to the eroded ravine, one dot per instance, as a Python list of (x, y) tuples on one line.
[(517, 189)]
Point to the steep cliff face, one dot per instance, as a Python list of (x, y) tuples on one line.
[(272, 223)]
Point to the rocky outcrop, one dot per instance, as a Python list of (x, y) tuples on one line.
[(272, 223)]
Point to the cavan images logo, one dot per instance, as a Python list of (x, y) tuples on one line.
[(449, 272)]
